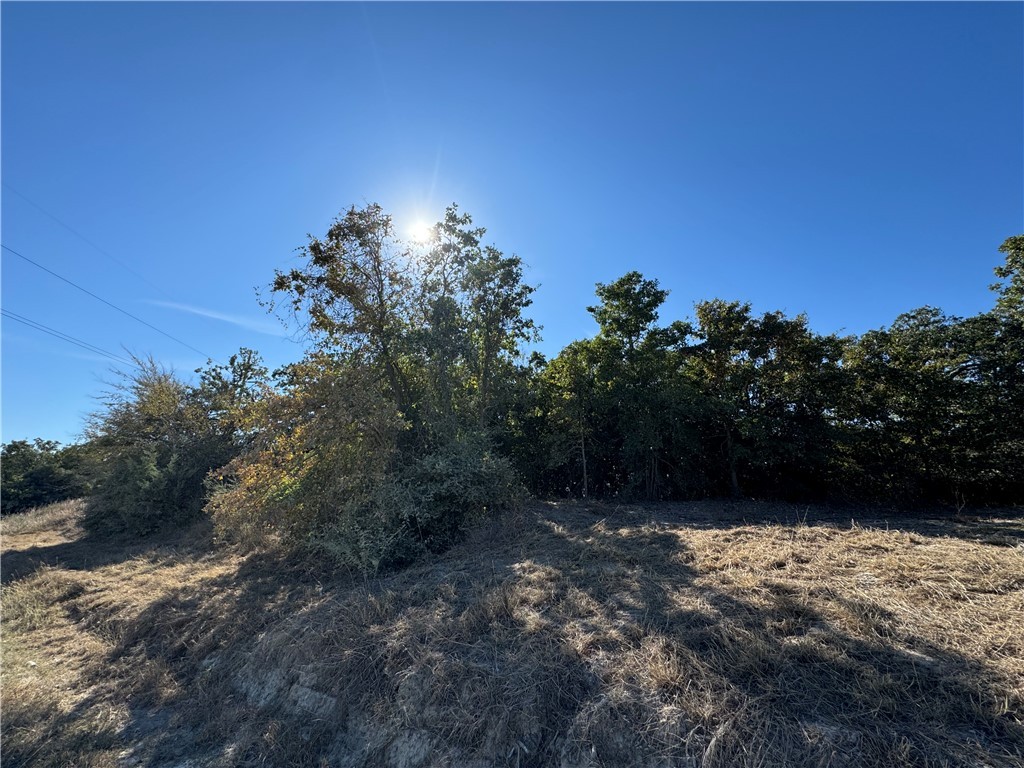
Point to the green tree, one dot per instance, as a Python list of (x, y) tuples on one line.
[(916, 406), (990, 436), (157, 438), (355, 293), (380, 445), (628, 309), (1011, 273), (769, 384), (442, 335), (722, 367), (620, 412), (41, 472), (497, 324), (227, 392), (570, 418)]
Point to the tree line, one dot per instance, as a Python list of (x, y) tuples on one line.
[(417, 407)]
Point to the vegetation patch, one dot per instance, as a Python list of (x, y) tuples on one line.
[(571, 635)]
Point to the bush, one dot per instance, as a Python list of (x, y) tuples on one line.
[(145, 488), (454, 488), (368, 518), (158, 438), (424, 509)]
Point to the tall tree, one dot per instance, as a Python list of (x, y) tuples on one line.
[(381, 441), (497, 324), (442, 332), (722, 367), (355, 291)]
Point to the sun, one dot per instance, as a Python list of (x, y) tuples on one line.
[(421, 232)]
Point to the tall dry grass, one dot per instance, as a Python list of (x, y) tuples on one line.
[(570, 636)]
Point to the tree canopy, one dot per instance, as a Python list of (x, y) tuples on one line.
[(416, 407)]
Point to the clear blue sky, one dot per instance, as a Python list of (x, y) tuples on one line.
[(850, 161)]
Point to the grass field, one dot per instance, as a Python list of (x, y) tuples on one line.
[(704, 634)]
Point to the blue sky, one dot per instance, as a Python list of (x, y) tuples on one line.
[(850, 161)]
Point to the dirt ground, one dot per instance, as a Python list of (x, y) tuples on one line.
[(572, 635)]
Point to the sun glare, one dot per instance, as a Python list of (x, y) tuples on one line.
[(421, 231)]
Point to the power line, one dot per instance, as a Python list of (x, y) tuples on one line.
[(63, 336), (84, 239), (98, 298)]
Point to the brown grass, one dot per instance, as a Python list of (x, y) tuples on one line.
[(690, 635), (56, 519)]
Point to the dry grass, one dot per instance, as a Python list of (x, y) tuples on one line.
[(695, 635), (55, 519)]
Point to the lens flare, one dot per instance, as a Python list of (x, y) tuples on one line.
[(421, 232)]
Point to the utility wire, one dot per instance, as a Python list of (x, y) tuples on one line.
[(63, 336), (112, 306), (84, 239)]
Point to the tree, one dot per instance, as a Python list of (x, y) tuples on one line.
[(1011, 292), (157, 438), (354, 295), (769, 385), (442, 323), (991, 435), (497, 299), (373, 448), (570, 416), (227, 392), (442, 336), (628, 308), (722, 367), (41, 472), (934, 398), (620, 413)]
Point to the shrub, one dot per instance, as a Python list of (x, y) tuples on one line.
[(424, 509), (158, 438), (362, 509), (145, 488), (455, 487)]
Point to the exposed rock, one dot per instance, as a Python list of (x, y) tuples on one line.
[(261, 687), (409, 750), (472, 763), (307, 700)]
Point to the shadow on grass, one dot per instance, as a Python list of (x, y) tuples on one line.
[(580, 637), (96, 550), (800, 688), (1000, 527)]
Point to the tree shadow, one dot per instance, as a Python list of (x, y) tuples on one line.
[(804, 689), (579, 637), (92, 551), (997, 527)]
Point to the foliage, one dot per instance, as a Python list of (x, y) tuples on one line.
[(424, 508), (1011, 292), (377, 445), (734, 403), (328, 435), (454, 486), (41, 472), (157, 438), (934, 409), (327, 473), (414, 411)]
